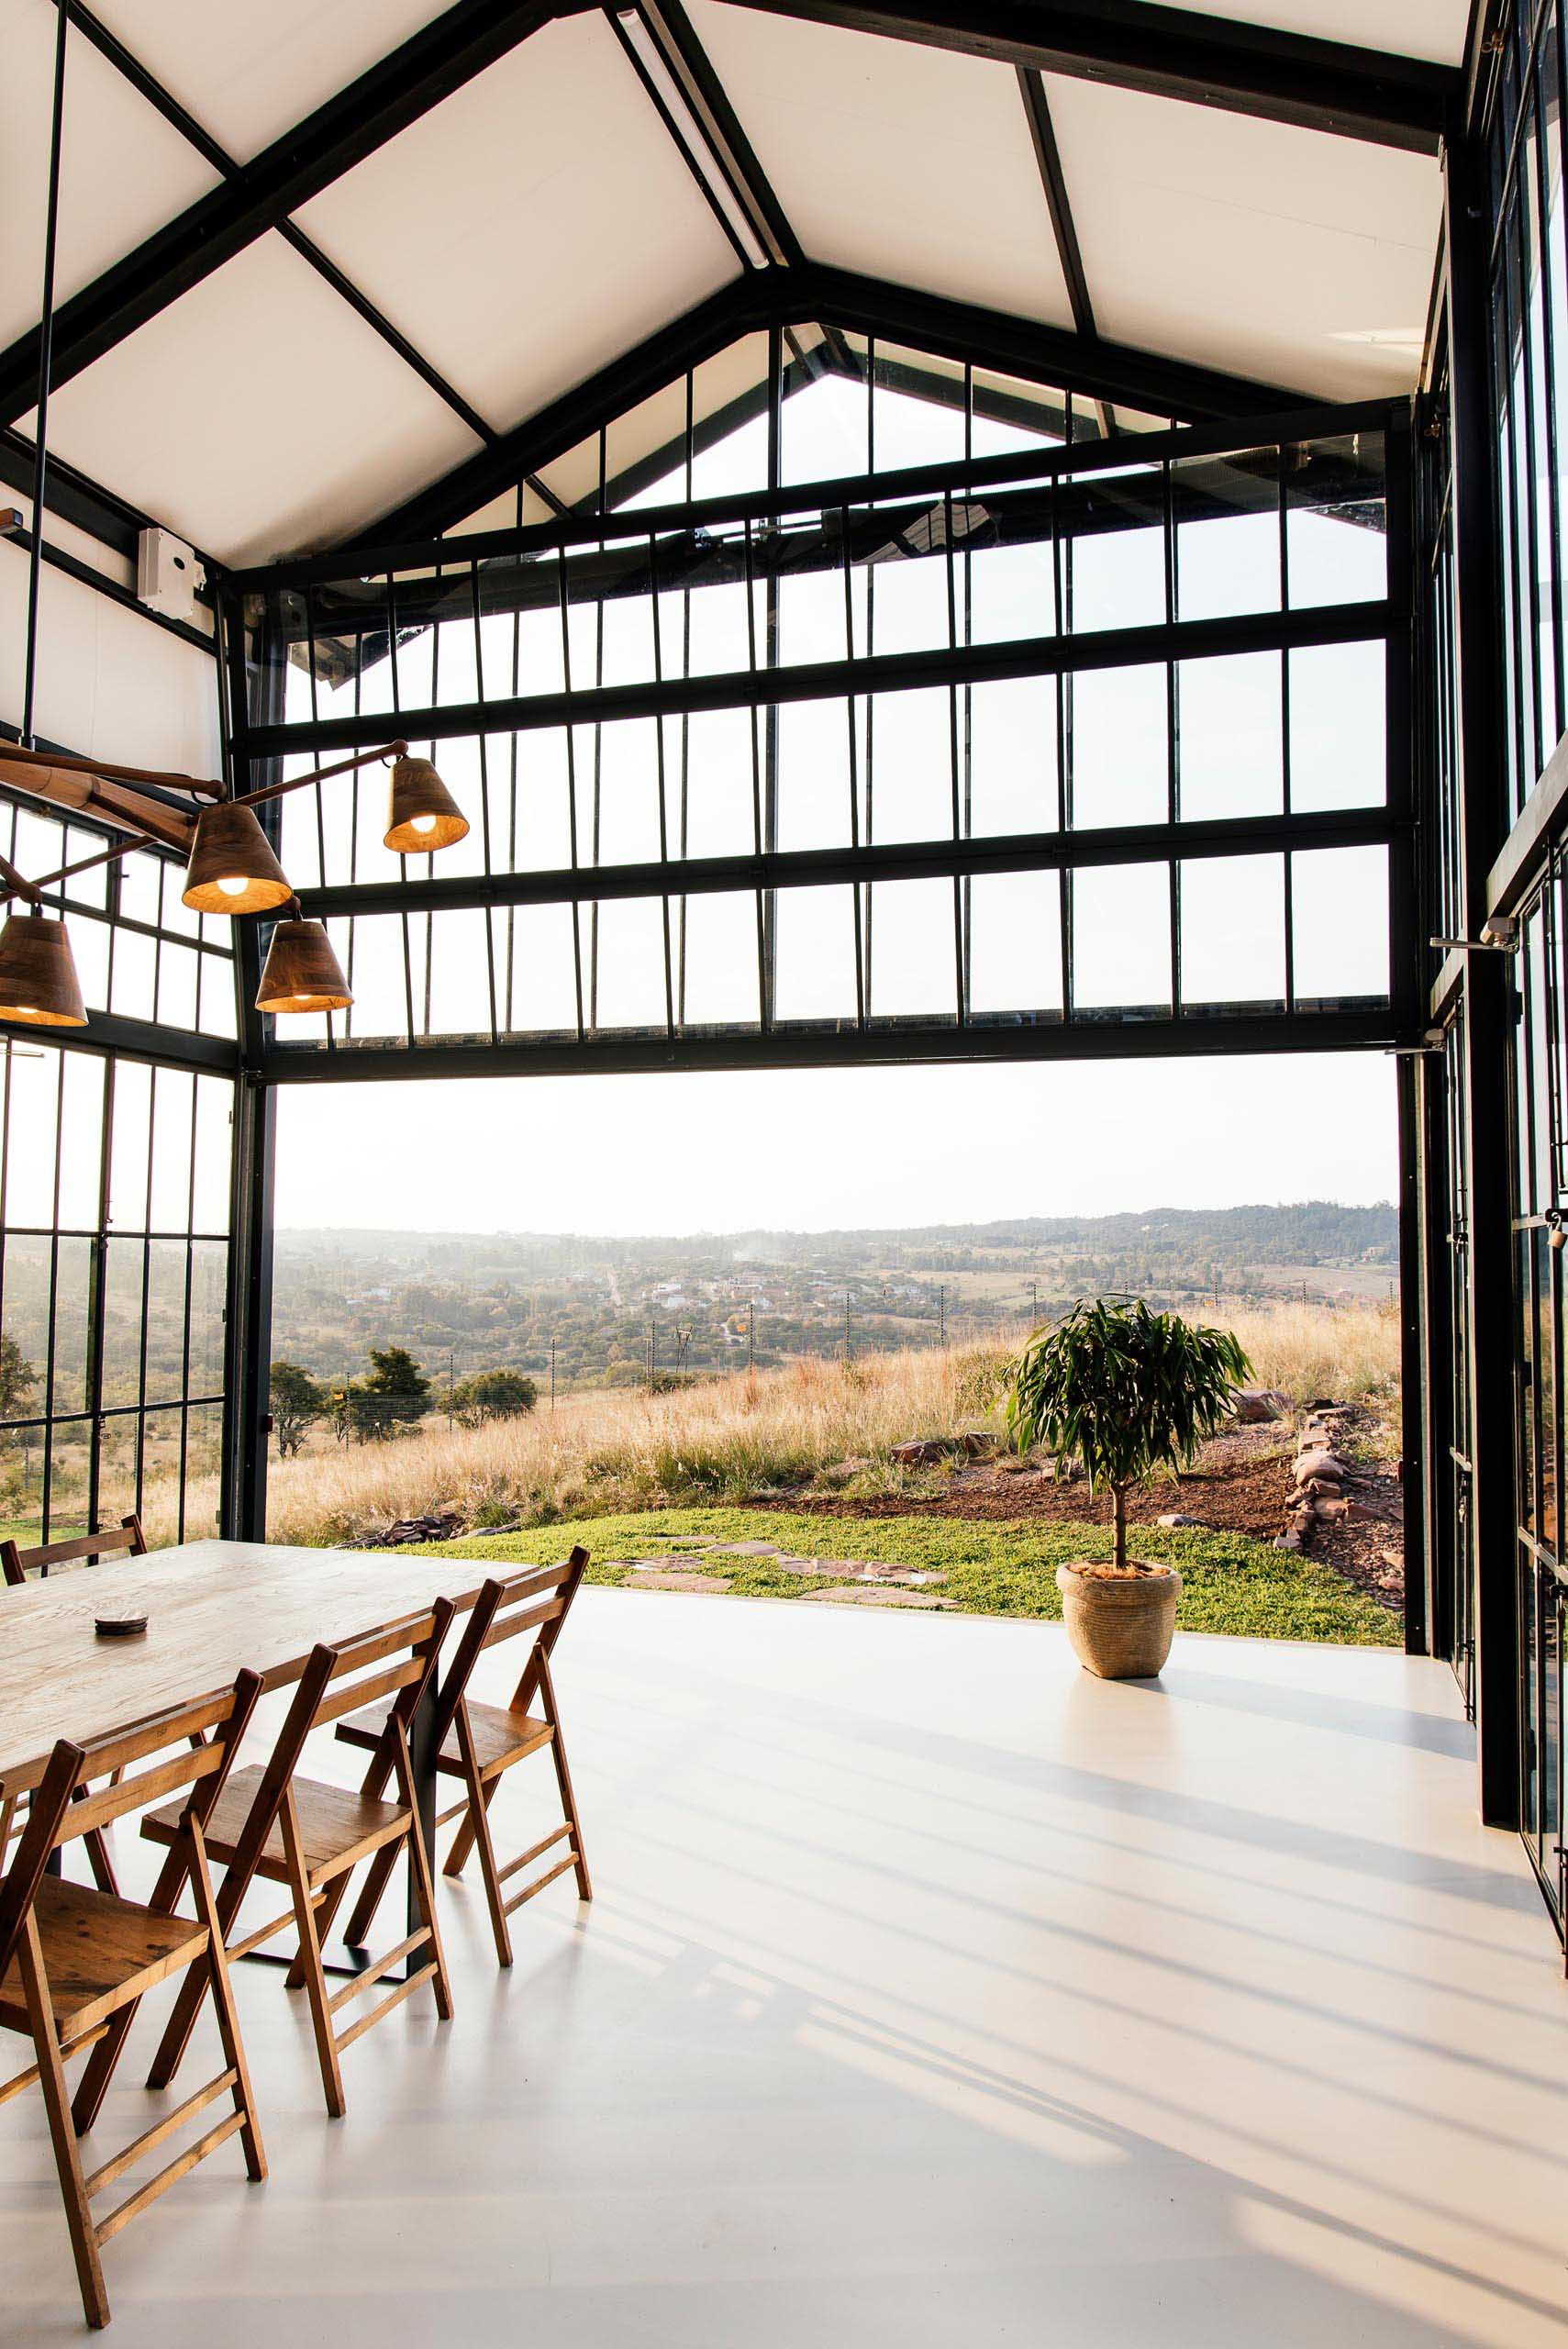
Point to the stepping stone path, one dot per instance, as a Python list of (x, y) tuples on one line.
[(688, 1566)]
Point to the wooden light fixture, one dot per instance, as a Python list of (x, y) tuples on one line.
[(421, 813), (232, 868), (302, 971), (38, 973)]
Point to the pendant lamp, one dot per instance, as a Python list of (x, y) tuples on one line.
[(37, 973), (422, 813)]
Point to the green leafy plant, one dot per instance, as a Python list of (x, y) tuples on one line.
[(1125, 1390)]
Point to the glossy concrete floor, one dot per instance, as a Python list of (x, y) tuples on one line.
[(933, 1993)]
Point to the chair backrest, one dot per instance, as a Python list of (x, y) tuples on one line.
[(398, 1661), (536, 1599), (124, 1540), (178, 1751)]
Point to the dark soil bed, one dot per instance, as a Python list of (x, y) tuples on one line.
[(1238, 1487)]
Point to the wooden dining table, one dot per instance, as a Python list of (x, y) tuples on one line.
[(213, 1610)]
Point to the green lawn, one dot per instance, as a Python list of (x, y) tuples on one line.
[(1231, 1582)]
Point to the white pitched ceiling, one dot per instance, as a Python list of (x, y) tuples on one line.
[(1430, 29), (532, 227), (105, 209), (257, 414), (250, 73), (892, 159), (1251, 246)]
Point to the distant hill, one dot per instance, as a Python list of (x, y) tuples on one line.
[(705, 1301)]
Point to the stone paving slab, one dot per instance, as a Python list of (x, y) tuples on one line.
[(875, 1594)]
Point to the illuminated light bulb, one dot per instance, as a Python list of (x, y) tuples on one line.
[(233, 884), (423, 823)]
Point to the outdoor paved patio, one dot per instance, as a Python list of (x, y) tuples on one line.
[(933, 1992)]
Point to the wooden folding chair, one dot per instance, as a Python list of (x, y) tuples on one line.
[(311, 1837), (75, 1961), (123, 1541), (478, 1743)]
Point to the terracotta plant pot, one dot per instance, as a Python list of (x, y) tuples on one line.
[(1121, 1626)]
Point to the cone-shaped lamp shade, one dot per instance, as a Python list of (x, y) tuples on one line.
[(423, 814), (232, 868), (302, 974), (37, 973)]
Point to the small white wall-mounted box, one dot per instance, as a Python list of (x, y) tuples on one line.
[(167, 574)]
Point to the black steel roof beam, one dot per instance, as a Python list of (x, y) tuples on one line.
[(550, 431), (833, 297), (1111, 648), (819, 868), (148, 86), (1053, 182), (1379, 95), (398, 90), (1363, 1025), (965, 478), (961, 330)]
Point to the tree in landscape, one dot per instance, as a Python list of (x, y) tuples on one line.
[(1127, 1391), (396, 1394), (502, 1393), (18, 1379), (296, 1400)]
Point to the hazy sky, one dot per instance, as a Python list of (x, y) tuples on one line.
[(809, 1150)]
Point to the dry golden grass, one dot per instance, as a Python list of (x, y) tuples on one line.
[(728, 1439)]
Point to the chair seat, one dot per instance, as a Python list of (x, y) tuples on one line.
[(500, 1735), (98, 1952), (336, 1825)]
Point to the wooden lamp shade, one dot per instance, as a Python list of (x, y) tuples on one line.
[(232, 868), (302, 971), (37, 973), (422, 814)]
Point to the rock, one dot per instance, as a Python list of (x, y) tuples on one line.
[(1325, 1465), (1331, 1511), (922, 1454), (978, 1445), (1176, 1517), (1362, 1513), (1254, 1406), (1287, 1542), (668, 1578)]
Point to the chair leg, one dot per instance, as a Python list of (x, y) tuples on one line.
[(330, 1903), (356, 1933), (225, 2011), (564, 1780), (92, 2085), (424, 1889), (56, 2104), (310, 1953), (467, 1835), (479, 1817)]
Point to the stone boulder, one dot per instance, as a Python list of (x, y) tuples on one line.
[(1254, 1406)]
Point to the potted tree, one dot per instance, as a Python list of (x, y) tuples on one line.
[(1127, 1392)]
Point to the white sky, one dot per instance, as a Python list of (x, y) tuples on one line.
[(812, 1151)]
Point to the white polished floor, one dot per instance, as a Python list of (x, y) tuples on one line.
[(933, 1994)]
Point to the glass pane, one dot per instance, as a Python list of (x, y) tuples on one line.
[(1340, 924), (815, 935), (1230, 738), (1119, 744), (1338, 752), (717, 961), (1232, 932), (1015, 933), (1115, 528), (914, 973), (1122, 940), (1228, 534)]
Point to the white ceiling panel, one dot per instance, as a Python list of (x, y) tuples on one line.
[(1430, 28), (533, 226), (892, 158), (258, 414), (1271, 252), (123, 172), (250, 73)]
